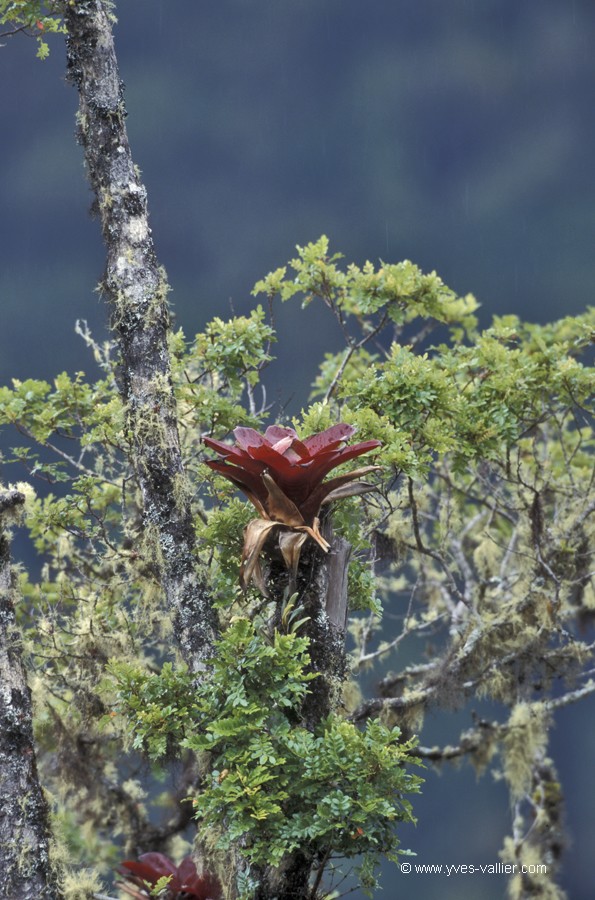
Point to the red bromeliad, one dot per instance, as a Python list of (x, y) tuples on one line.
[(284, 478), (185, 883)]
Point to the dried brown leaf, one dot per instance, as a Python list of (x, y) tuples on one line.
[(349, 490), (291, 543), (279, 506), (256, 533)]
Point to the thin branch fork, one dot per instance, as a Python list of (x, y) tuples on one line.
[(21, 29), (423, 696), (471, 740), (351, 349)]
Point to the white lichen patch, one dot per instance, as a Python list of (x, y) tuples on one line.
[(121, 265), (137, 229)]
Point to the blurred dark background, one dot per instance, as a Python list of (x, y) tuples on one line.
[(456, 133)]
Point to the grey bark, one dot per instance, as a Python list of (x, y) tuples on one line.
[(136, 291), (25, 870), (324, 598)]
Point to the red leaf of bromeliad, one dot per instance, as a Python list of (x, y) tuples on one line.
[(270, 457), (283, 439), (320, 494), (233, 454), (298, 468), (187, 874), (278, 464), (325, 461), (334, 435), (276, 433), (150, 867), (249, 437), (184, 879), (283, 445), (299, 482), (248, 482), (256, 458), (221, 448), (292, 449)]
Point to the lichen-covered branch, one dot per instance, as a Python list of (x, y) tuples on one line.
[(25, 870), (136, 291), (537, 841)]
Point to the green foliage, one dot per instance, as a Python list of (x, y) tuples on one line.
[(156, 705), (481, 527), (160, 886), (34, 17), (73, 409), (272, 782), (401, 292), (485, 530), (237, 348), (96, 595), (223, 532), (473, 400)]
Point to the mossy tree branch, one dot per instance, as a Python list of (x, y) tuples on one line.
[(136, 291)]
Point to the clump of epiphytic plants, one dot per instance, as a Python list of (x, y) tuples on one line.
[(154, 874), (283, 477)]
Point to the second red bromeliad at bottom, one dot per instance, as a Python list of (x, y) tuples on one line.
[(283, 477)]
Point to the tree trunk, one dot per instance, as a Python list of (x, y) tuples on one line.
[(136, 290), (25, 870), (322, 589), (324, 598)]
